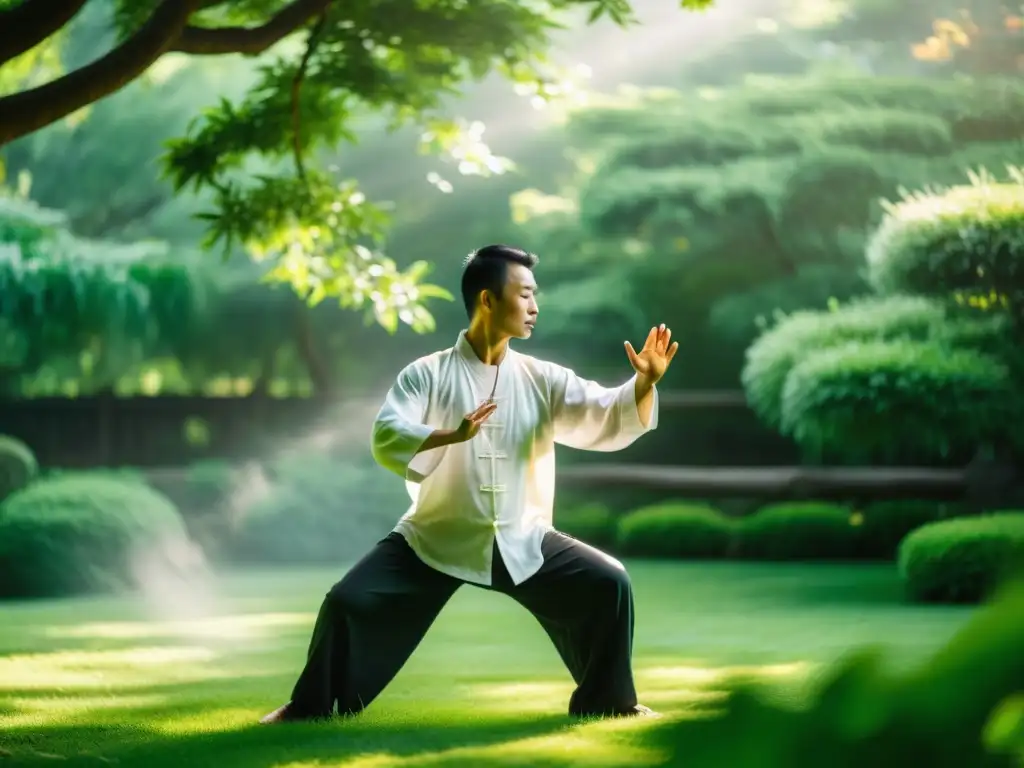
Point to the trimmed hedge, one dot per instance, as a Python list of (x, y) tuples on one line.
[(82, 533), (966, 241), (962, 560), (675, 529), (940, 557), (776, 352), (846, 401), (799, 531)]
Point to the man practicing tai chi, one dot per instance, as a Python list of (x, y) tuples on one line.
[(472, 429)]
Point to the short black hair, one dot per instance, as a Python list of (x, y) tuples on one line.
[(487, 269)]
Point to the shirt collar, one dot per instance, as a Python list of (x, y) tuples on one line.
[(465, 351)]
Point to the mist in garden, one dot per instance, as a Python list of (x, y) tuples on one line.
[(226, 229)]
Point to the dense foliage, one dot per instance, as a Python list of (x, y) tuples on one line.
[(896, 400), (728, 206), (337, 64), (79, 314), (930, 369)]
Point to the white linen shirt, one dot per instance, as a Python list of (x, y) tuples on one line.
[(501, 483)]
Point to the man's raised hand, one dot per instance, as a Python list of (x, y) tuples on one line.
[(471, 423), (652, 361)]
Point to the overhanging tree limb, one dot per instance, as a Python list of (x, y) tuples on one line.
[(249, 40), (28, 111), (300, 75), (27, 25)]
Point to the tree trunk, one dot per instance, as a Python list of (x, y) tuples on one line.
[(316, 366)]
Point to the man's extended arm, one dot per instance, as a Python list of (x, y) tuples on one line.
[(589, 416), (592, 417), (439, 438), (643, 393)]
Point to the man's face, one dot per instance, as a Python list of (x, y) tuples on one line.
[(516, 313)]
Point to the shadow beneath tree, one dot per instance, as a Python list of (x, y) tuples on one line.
[(335, 741)]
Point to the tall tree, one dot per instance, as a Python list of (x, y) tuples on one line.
[(327, 63)]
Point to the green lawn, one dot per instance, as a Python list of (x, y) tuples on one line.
[(99, 680)]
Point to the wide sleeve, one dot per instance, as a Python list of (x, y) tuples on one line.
[(398, 429), (592, 417)]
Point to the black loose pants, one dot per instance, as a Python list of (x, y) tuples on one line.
[(372, 620)]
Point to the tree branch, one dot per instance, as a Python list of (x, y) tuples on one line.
[(27, 25), (28, 111), (300, 75), (249, 40)]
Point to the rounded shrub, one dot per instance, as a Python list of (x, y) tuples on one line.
[(799, 531), (592, 523), (884, 524), (962, 560), (883, 400), (81, 533), (18, 466), (966, 242), (776, 352), (675, 530)]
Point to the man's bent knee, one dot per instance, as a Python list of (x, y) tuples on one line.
[(611, 576), (347, 597)]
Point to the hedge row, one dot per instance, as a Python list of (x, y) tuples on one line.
[(786, 531), (941, 557)]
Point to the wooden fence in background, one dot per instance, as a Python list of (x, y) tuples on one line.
[(153, 431)]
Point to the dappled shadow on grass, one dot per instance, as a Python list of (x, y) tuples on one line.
[(334, 742), (483, 724)]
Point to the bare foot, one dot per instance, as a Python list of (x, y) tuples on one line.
[(279, 715), (639, 711), (636, 711)]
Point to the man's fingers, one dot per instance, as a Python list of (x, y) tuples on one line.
[(672, 351), (631, 353), (483, 411), (666, 336)]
